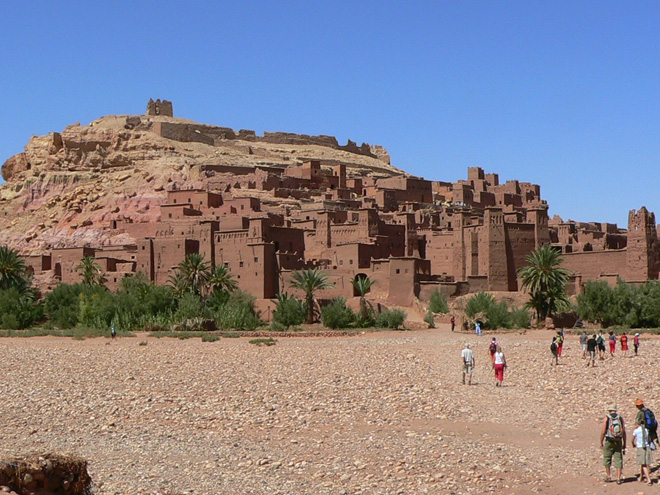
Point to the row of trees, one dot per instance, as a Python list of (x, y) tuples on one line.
[(196, 293), (634, 306)]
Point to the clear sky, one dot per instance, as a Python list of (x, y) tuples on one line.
[(562, 94)]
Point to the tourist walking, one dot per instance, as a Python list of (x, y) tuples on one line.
[(467, 356), (560, 342), (624, 344), (477, 327), (113, 332), (600, 340), (636, 343), (453, 322), (583, 343), (646, 415), (555, 353), (612, 340), (591, 351), (613, 443), (640, 440), (499, 365), (492, 349)]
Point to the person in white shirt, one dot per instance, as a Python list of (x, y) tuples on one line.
[(640, 440), (499, 364), (467, 356)]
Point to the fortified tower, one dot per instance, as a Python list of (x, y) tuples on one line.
[(643, 248), (160, 108)]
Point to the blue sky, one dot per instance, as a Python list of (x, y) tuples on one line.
[(562, 94)]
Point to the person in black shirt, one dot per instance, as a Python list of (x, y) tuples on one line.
[(591, 350)]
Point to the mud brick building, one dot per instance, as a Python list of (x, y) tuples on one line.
[(409, 234)]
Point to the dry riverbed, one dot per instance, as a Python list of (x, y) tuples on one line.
[(378, 413)]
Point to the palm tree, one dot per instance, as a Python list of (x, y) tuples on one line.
[(13, 270), (90, 271), (194, 273), (222, 279), (545, 280), (362, 285), (310, 281)]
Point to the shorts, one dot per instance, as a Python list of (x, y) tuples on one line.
[(592, 355), (601, 347), (467, 368), (644, 456), (584, 347), (612, 453)]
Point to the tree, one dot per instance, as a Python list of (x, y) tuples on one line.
[(545, 280), (13, 270), (222, 279), (310, 281), (90, 271), (362, 285), (193, 274)]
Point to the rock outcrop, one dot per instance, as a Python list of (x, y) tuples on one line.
[(66, 187)]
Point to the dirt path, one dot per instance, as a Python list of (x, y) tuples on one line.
[(379, 412)]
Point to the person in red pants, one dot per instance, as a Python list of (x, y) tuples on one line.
[(499, 365)]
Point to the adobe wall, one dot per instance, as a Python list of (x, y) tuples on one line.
[(593, 265)]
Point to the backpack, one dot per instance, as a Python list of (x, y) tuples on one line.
[(614, 427), (650, 421), (493, 347), (553, 347)]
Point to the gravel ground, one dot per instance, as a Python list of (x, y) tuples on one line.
[(378, 413)]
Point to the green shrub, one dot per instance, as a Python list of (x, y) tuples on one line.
[(392, 318), (18, 309), (438, 303), (429, 319), (520, 318), (288, 311), (210, 337), (61, 305), (479, 303), (237, 313), (267, 342), (190, 306), (337, 315)]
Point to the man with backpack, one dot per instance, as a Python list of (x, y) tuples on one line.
[(651, 424), (555, 352), (613, 443)]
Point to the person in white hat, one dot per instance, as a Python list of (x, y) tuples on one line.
[(613, 443), (636, 343)]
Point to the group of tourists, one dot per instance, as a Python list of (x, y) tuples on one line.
[(644, 440), (613, 432), (593, 347), (497, 361)]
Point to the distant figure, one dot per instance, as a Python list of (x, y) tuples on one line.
[(477, 327), (591, 350), (612, 339), (636, 343), (113, 333), (499, 365), (555, 352), (640, 440), (560, 342), (583, 343), (600, 340), (453, 323), (467, 357), (613, 443), (624, 344), (492, 349)]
